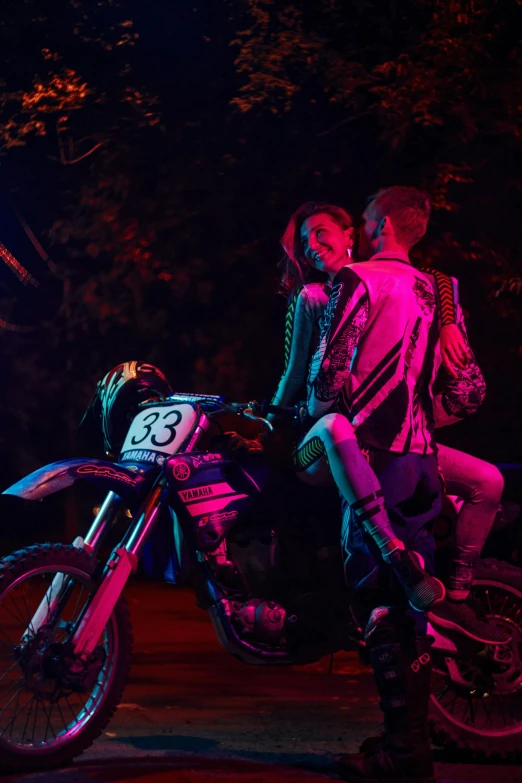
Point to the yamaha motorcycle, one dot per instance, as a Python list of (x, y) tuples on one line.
[(274, 597)]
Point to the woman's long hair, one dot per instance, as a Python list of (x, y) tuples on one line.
[(296, 269)]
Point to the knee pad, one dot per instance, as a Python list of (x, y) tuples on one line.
[(377, 625), (389, 625)]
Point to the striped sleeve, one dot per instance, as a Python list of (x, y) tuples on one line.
[(297, 347), (289, 326), (445, 295)]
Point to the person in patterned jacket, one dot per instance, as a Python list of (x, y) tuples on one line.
[(372, 375), (478, 483)]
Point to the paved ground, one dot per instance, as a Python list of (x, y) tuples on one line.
[(192, 714)]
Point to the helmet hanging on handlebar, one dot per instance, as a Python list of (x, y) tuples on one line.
[(118, 396)]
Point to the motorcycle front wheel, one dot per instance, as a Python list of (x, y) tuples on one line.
[(51, 707), (479, 717)]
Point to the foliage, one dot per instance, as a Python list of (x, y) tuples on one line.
[(69, 96), (436, 89), (442, 79), (74, 78)]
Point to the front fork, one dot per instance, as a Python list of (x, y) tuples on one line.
[(123, 562), (58, 589)]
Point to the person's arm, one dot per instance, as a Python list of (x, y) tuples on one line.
[(454, 350), (464, 392), (345, 319), (298, 340)]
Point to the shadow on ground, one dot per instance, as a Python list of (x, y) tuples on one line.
[(185, 769)]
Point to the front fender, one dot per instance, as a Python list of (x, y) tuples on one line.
[(52, 478)]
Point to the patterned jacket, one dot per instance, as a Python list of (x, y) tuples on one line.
[(378, 357)]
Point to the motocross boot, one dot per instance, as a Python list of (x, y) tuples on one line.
[(467, 617), (403, 753), (422, 590)]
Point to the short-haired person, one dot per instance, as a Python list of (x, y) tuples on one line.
[(375, 366)]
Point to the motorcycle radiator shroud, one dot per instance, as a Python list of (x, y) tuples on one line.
[(216, 493)]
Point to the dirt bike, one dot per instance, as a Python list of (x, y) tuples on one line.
[(274, 597)]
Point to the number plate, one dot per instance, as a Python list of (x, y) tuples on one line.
[(157, 431)]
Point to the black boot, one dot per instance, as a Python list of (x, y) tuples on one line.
[(404, 752), (466, 617), (422, 589)]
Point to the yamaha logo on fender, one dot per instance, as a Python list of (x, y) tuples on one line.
[(196, 494)]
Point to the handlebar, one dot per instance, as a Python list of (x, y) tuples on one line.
[(290, 411), (215, 404)]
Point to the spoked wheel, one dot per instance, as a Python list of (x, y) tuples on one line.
[(52, 704), (478, 711)]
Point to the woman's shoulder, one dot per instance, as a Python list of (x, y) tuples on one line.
[(315, 293)]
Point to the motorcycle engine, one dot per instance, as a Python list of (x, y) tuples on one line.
[(264, 620), (247, 559)]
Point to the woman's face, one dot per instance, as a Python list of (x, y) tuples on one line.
[(325, 243)]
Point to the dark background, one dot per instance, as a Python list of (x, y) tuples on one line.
[(157, 149)]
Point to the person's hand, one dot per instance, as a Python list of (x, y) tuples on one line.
[(454, 351), (237, 443), (303, 413)]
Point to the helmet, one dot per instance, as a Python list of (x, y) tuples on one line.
[(118, 396)]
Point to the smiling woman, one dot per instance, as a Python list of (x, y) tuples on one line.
[(318, 236), (326, 245)]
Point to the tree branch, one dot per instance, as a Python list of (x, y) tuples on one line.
[(71, 161), (346, 121)]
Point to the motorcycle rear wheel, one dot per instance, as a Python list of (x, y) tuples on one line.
[(44, 722), (483, 722)]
